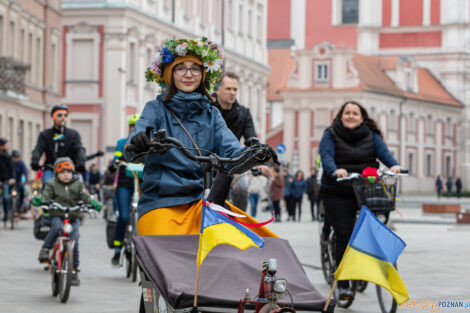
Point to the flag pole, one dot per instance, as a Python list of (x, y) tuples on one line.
[(329, 297)]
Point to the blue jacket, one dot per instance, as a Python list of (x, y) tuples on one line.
[(20, 171), (327, 152), (298, 187), (171, 179)]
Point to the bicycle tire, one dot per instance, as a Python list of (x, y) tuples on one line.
[(54, 278), (128, 260), (361, 285), (65, 275), (12, 212), (134, 264)]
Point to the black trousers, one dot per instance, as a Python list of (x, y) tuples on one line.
[(290, 206), (277, 210), (340, 212), (297, 208)]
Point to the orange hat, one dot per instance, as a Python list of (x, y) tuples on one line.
[(63, 164), (168, 71)]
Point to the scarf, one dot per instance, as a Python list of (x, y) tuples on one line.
[(350, 135), (183, 103)]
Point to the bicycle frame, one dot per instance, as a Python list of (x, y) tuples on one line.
[(59, 246)]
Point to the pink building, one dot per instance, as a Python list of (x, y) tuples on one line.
[(30, 44), (403, 59)]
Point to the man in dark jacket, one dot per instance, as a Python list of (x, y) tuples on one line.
[(312, 192), (56, 142), (21, 175), (239, 121), (7, 175)]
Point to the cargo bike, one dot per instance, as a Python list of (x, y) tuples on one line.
[(270, 279)]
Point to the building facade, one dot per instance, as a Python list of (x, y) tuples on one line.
[(30, 76), (109, 44), (430, 40)]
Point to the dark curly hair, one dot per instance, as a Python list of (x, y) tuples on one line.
[(367, 120)]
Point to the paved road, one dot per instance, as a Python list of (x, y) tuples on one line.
[(434, 266)]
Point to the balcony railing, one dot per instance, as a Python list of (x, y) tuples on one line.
[(12, 75)]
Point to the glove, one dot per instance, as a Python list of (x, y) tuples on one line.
[(269, 153), (80, 168), (141, 140), (96, 204), (37, 201), (35, 166)]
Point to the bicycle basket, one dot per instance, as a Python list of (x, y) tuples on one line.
[(41, 228), (378, 196)]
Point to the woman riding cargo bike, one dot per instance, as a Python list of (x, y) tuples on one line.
[(172, 191), (354, 142)]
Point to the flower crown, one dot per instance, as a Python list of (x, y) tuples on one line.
[(205, 50)]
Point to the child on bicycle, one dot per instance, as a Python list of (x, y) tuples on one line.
[(65, 189), (172, 189)]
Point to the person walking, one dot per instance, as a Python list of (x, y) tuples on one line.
[(439, 186), (255, 189), (7, 175), (21, 176), (312, 191), (288, 200), (277, 192), (458, 187), (449, 184), (298, 187)]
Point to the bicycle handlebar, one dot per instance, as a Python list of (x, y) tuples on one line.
[(54, 206), (352, 176), (163, 143)]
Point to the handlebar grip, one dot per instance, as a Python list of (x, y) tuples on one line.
[(160, 134), (130, 148), (403, 171)]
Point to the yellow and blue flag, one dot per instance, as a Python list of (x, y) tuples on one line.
[(218, 229), (372, 251)]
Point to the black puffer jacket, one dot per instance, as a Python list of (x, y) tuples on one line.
[(70, 147), (7, 167), (238, 119)]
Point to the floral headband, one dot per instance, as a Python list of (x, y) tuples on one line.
[(175, 50)]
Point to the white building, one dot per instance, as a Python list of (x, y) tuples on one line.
[(109, 44)]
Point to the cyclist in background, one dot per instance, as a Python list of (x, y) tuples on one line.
[(65, 189), (21, 176), (352, 143), (58, 141), (123, 194), (7, 175)]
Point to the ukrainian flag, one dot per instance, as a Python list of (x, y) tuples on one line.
[(218, 229), (372, 251)]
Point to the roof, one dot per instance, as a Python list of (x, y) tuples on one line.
[(373, 77), (282, 64)]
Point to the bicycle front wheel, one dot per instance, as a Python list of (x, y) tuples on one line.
[(65, 276), (386, 301), (12, 212)]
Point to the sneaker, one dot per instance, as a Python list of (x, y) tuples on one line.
[(43, 255), (75, 279), (115, 259), (345, 294)]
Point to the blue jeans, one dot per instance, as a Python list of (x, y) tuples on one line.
[(20, 196), (56, 228), (6, 199), (47, 175), (253, 203), (122, 202)]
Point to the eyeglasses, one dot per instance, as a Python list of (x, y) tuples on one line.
[(62, 114), (182, 70)]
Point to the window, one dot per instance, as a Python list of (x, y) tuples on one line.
[(249, 23), (429, 165), (54, 67), (132, 56), (218, 15), (259, 30), (23, 48), (393, 121), (349, 11), (186, 8), (429, 126), (411, 123), (411, 170), (82, 49), (448, 166), (240, 19), (321, 72), (11, 130), (21, 136), (12, 39), (1, 35), (372, 113), (29, 74), (38, 61), (202, 12), (231, 21), (449, 127)]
